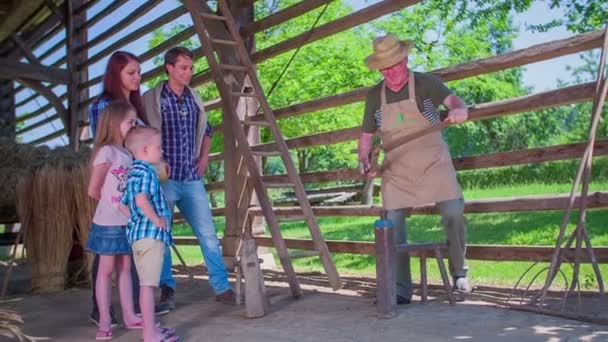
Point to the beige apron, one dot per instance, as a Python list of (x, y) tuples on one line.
[(421, 171)]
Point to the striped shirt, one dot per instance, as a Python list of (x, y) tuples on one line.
[(430, 94), (180, 118), (143, 180), (95, 112)]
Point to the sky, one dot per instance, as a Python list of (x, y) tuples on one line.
[(540, 76)]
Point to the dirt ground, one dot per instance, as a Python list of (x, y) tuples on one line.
[(317, 316)]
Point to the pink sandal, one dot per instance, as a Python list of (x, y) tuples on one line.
[(103, 335)]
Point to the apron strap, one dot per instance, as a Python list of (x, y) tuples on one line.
[(411, 87), (382, 94)]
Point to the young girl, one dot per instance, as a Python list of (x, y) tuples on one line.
[(109, 169)]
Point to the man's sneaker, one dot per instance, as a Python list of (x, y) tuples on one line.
[(402, 300), (94, 317), (462, 284), (167, 301), (226, 297)]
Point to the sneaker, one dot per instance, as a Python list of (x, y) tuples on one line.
[(167, 301), (94, 318), (402, 300), (462, 284), (227, 297)]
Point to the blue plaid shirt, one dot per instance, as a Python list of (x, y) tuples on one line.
[(143, 179), (180, 118), (95, 111)]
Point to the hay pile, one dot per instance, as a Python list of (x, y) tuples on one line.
[(22, 160), (48, 191), (10, 326)]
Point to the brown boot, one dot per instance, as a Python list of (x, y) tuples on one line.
[(226, 297)]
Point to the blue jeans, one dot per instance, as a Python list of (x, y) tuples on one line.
[(192, 201)]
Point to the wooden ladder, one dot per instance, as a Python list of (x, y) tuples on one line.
[(201, 17)]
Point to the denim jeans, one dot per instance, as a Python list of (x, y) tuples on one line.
[(192, 200), (454, 226)]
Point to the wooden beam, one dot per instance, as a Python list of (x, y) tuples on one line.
[(47, 137), (118, 26), (77, 53), (474, 252), (597, 199), (532, 54), (38, 124), (102, 14), (50, 96), (133, 36), (282, 16), (12, 69), (7, 109), (85, 6), (528, 156), (344, 23)]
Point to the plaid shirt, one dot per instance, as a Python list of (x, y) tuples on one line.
[(143, 179), (95, 111), (180, 118)]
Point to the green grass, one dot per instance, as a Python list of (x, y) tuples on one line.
[(524, 228)]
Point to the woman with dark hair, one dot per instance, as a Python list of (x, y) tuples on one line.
[(120, 82)]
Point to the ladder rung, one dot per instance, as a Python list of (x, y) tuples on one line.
[(213, 16), (279, 185), (291, 218), (305, 254), (233, 67), (266, 153), (256, 123), (240, 94), (224, 42)]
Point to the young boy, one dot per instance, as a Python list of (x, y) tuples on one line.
[(147, 230)]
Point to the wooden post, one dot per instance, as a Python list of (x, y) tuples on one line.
[(424, 291), (8, 127), (75, 56), (386, 286), (256, 303)]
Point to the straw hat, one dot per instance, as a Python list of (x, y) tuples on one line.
[(388, 51)]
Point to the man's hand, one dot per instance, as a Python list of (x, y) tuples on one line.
[(201, 166), (160, 222), (457, 115)]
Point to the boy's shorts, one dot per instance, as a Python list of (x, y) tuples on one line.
[(148, 256)]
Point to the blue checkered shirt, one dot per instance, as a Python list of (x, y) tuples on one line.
[(95, 111), (180, 119), (143, 179)]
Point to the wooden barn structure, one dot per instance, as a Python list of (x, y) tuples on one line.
[(65, 89)]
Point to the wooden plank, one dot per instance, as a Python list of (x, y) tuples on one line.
[(474, 252), (118, 26), (114, 5), (532, 54), (386, 275), (11, 69), (528, 156), (51, 50), (38, 124), (282, 16), (344, 23), (133, 36), (47, 137)]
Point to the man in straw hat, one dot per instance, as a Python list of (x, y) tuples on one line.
[(420, 171)]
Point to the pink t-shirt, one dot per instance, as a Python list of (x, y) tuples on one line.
[(115, 183)]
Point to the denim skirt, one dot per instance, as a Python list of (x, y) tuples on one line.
[(108, 240)]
